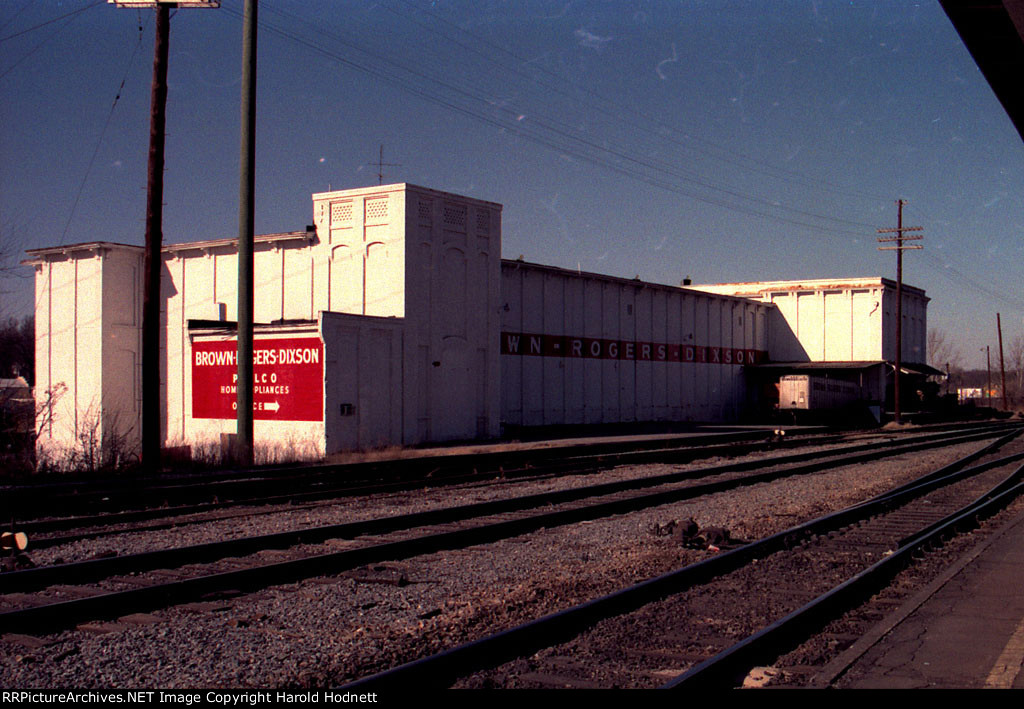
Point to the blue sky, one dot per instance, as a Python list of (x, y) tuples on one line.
[(723, 141)]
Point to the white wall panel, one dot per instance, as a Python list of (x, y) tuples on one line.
[(593, 355), (297, 289), (512, 367), (553, 368), (364, 395), (837, 320), (274, 440), (87, 311), (659, 370)]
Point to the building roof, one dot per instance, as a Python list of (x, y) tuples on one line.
[(38, 255), (401, 187), (576, 273), (818, 366), (919, 368), (905, 367), (805, 284), (308, 235), (231, 325)]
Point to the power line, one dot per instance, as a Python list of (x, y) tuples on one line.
[(103, 132), (50, 22), (70, 17), (660, 128), (654, 164), (954, 275), (551, 135), (16, 15)]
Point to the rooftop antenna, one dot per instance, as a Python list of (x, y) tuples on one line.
[(381, 165)]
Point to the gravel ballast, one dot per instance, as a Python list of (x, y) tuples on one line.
[(330, 630)]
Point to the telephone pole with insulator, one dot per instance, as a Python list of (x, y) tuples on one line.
[(899, 248)]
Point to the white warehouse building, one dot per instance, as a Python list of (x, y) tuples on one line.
[(393, 320)]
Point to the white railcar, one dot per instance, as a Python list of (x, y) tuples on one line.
[(811, 392)]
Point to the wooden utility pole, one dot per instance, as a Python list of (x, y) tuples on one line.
[(899, 249), (988, 368), (1002, 367), (152, 259), (246, 239), (154, 245)]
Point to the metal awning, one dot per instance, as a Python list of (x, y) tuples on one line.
[(922, 369), (793, 367), (816, 366), (993, 32)]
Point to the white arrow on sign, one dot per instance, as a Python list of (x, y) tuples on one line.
[(272, 406)]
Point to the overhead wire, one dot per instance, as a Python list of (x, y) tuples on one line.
[(612, 108), (939, 266), (617, 152), (103, 131), (664, 166), (51, 21), (955, 275), (81, 187), (549, 135), (15, 16), (69, 17), (936, 264)]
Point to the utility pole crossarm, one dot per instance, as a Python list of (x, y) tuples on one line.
[(898, 238)]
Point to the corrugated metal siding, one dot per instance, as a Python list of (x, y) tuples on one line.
[(363, 381), (594, 349)]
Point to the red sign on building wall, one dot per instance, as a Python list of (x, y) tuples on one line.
[(288, 379)]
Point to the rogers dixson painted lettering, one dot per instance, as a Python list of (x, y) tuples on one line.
[(527, 344)]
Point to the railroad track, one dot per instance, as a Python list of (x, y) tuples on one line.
[(188, 493), (707, 624), (52, 507), (120, 523), (922, 523), (123, 590)]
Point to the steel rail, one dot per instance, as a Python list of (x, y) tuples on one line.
[(56, 616), (127, 517), (540, 469), (234, 493), (221, 483), (440, 670), (91, 570), (48, 542), (399, 475), (729, 667)]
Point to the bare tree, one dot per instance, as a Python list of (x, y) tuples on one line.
[(943, 354), (12, 249), (17, 348)]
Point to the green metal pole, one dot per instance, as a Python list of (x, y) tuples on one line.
[(245, 237)]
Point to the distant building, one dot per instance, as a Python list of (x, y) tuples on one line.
[(844, 328)]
